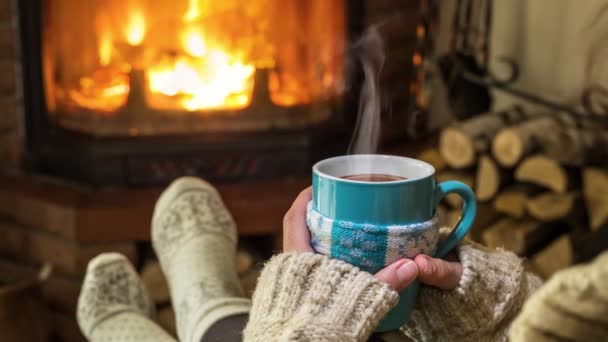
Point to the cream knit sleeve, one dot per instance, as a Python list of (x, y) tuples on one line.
[(492, 290), (310, 297), (571, 306)]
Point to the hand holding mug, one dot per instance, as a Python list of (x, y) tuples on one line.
[(399, 275)]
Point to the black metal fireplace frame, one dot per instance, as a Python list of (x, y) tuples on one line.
[(146, 160)]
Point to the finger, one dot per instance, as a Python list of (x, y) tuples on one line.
[(439, 273), (399, 274), (296, 236)]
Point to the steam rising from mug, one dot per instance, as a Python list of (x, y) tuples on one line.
[(367, 129)]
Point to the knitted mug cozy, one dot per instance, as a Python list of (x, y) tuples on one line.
[(368, 246)]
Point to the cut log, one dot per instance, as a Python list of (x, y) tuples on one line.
[(486, 217), (595, 191), (544, 172), (155, 282), (560, 137), (249, 280), (461, 144), (520, 236), (580, 144), (453, 200), (432, 156), (556, 256), (511, 144), (166, 319), (451, 218), (512, 201), (551, 206), (243, 261), (489, 178)]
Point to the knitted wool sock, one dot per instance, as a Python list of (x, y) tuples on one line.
[(113, 304), (194, 237)]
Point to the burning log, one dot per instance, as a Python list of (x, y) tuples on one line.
[(461, 144)]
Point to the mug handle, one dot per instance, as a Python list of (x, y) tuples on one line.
[(469, 210)]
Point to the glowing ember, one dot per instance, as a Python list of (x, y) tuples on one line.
[(105, 92), (136, 28)]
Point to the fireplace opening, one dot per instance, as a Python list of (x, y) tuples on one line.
[(140, 92), (166, 67)]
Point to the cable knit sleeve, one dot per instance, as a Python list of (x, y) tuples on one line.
[(310, 297), (492, 290)]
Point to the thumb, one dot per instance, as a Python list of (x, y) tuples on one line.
[(439, 273), (399, 274)]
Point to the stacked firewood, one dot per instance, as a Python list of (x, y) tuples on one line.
[(541, 182)]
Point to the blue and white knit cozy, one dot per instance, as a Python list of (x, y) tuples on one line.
[(368, 246)]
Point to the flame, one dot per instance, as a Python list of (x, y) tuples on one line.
[(194, 43), (105, 47), (136, 28), (208, 78), (193, 11)]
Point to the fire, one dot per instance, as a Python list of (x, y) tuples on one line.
[(194, 43), (105, 91), (205, 57), (206, 78), (105, 48), (136, 28), (193, 11)]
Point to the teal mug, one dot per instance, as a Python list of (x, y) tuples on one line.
[(371, 210)]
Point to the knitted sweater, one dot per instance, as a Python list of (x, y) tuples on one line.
[(310, 297)]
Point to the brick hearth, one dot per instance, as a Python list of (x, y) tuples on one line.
[(43, 220)]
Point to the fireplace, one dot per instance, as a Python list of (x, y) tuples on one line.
[(139, 92)]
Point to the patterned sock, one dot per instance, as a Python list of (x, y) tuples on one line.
[(113, 304), (194, 237)]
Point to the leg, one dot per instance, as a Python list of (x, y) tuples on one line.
[(194, 237), (113, 304), (229, 329)]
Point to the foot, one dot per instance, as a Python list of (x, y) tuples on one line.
[(113, 303), (194, 237)]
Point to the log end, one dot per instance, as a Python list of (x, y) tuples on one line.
[(456, 148), (507, 148), (595, 188), (512, 203), (487, 181), (551, 206), (544, 172)]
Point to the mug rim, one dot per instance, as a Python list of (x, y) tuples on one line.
[(318, 164)]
